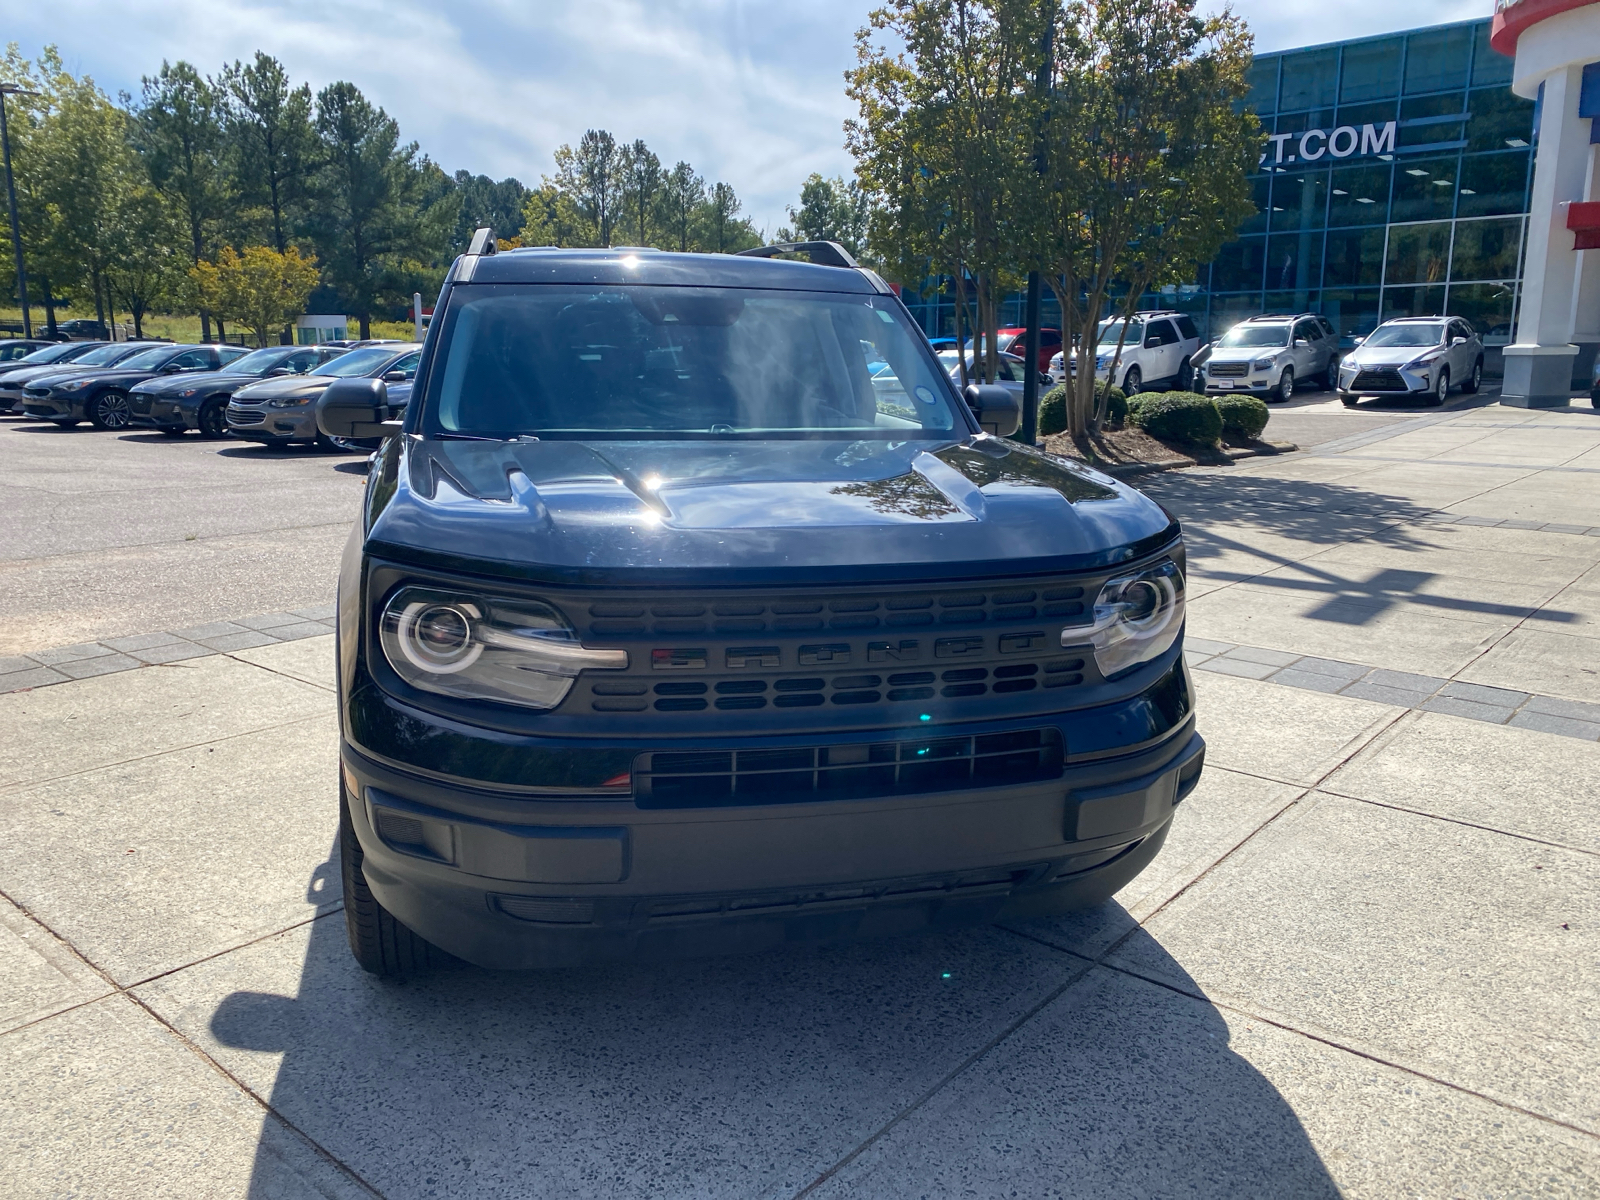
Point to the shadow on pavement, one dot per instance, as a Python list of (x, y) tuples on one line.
[(753, 1076)]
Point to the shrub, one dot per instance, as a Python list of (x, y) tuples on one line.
[(1053, 408), (1053, 411), (1245, 416), (1179, 416)]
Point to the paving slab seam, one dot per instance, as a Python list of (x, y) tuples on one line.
[(24, 784), (1370, 1055), (1494, 829), (1450, 696), (331, 689), (117, 990)]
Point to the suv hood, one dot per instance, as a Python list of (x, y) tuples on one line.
[(597, 511), (1386, 356), (1243, 353)]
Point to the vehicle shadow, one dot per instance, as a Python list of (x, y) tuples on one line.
[(755, 1075)]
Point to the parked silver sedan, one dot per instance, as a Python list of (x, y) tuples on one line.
[(1415, 356)]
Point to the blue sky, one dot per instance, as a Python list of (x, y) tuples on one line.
[(750, 92)]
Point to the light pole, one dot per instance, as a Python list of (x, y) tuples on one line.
[(11, 89)]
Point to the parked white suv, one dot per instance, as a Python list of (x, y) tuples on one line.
[(1271, 356), (1159, 347)]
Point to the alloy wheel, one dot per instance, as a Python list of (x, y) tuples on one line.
[(1441, 389), (213, 423), (111, 411)]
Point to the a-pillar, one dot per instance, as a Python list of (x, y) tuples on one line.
[(1538, 365)]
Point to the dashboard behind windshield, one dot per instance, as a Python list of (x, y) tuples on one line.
[(591, 361)]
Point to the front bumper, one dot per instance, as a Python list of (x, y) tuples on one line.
[(153, 413), (50, 408), (263, 423), (1357, 380), (514, 880), (1222, 377)]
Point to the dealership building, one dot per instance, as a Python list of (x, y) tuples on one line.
[(1395, 182)]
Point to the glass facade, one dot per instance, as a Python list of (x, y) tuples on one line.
[(1394, 183)]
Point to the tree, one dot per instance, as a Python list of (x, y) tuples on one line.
[(142, 271), (682, 195), (499, 205), (1149, 146), (26, 113), (181, 141), (551, 217), (641, 180), (369, 221), (724, 230), (261, 288), (268, 124), (592, 176), (831, 210)]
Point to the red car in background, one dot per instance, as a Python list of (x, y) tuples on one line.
[(1014, 340)]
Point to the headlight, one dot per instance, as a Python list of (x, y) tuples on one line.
[(187, 392), (76, 385), (477, 648), (1136, 619), (1264, 364), (1423, 360), (290, 402)]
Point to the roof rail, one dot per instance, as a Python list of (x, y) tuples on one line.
[(823, 254), (483, 242)]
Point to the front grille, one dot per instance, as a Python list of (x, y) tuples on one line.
[(814, 691), (245, 416), (1379, 379), (970, 885), (738, 616), (706, 779), (139, 405), (37, 393), (1227, 370)]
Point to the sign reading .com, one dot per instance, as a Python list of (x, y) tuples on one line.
[(1340, 143)]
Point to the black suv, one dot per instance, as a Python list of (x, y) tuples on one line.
[(694, 609)]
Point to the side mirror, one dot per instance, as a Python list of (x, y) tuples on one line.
[(1045, 380), (995, 407), (281, 371), (1458, 341), (394, 376), (172, 369), (355, 408), (1301, 343), (1357, 341)]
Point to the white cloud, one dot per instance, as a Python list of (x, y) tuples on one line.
[(748, 92)]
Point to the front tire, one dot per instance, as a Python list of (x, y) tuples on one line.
[(1441, 388), (1348, 400), (1186, 376), (380, 943), (1330, 377), (110, 410), (1131, 381), (1285, 389), (212, 420), (1474, 380)]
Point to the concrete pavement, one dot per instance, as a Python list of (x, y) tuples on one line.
[(1366, 962)]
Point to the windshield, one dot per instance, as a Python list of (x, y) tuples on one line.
[(1250, 336), (613, 361), (101, 356), (1407, 335), (259, 362), (50, 354), (1111, 331), (145, 360), (357, 362)]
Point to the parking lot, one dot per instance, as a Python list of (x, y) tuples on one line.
[(1366, 962)]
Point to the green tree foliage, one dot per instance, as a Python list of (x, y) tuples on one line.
[(831, 210), (592, 176), (271, 144), (683, 195), (498, 204), (261, 288), (180, 136), (723, 230), (640, 171), (367, 219)]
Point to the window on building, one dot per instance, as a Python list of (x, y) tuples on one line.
[(1418, 253), (1437, 59), (1359, 195), (1489, 67), (1423, 120), (1485, 249), (1489, 306), (1412, 302), (1310, 79), (1354, 257), (1300, 200), (1501, 120), (1294, 261), (1239, 265), (1424, 188), (1492, 184), (1263, 79), (1353, 313), (1371, 70)]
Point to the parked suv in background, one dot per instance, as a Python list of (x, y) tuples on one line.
[(664, 631), (100, 394), (1271, 356), (1418, 356), (1158, 348), (176, 405), (283, 411)]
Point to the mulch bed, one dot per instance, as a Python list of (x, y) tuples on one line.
[(1132, 448)]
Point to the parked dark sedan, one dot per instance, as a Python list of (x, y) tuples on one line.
[(177, 404), (72, 357), (101, 396), (13, 349), (283, 411)]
